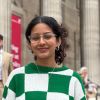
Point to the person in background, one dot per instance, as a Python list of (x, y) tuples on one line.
[(84, 74), (5, 65), (90, 87), (46, 78)]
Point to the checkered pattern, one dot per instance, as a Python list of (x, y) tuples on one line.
[(26, 83)]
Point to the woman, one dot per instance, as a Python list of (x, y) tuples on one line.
[(47, 78)]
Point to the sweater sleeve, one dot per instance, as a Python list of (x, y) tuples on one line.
[(9, 88), (79, 88)]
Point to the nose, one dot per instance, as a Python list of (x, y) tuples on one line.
[(42, 40)]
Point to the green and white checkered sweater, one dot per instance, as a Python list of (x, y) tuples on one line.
[(26, 83)]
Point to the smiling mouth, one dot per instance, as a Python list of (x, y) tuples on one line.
[(42, 49)]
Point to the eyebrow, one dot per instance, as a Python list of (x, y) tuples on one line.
[(43, 33)]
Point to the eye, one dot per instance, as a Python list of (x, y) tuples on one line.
[(35, 38), (48, 36)]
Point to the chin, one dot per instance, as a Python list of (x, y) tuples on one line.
[(43, 56)]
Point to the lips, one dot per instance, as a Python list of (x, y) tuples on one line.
[(42, 50)]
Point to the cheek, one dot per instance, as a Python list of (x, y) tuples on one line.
[(33, 47), (32, 44), (53, 46)]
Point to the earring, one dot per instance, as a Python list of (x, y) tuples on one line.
[(57, 48)]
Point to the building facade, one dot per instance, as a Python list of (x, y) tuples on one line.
[(76, 15)]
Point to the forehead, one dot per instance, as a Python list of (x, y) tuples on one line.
[(41, 28)]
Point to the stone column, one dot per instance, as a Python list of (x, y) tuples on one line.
[(90, 38), (52, 8), (5, 22)]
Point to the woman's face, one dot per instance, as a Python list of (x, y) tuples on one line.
[(43, 41)]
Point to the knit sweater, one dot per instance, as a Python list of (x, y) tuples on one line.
[(43, 83)]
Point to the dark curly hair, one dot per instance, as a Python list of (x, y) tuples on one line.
[(57, 29)]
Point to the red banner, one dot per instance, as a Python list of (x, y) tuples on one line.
[(16, 40)]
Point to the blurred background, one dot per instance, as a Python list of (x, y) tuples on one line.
[(80, 17)]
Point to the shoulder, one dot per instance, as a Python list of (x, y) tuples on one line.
[(67, 72), (14, 73), (20, 70), (17, 71), (74, 75)]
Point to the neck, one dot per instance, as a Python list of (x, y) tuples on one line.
[(48, 63)]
